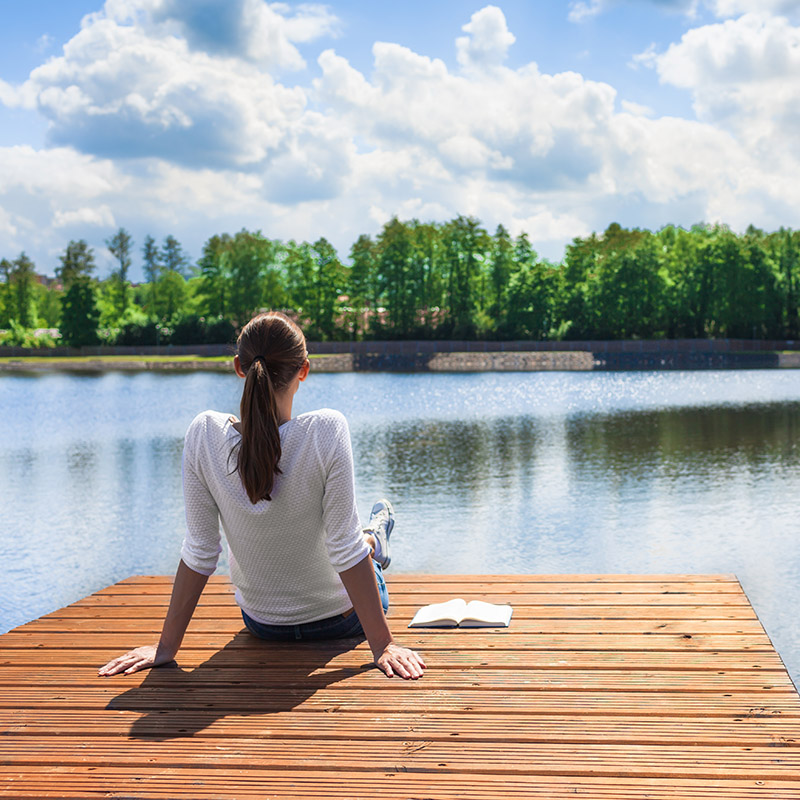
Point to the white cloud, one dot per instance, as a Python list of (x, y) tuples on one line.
[(527, 127), (185, 81), (261, 32), (637, 109), (57, 172), (487, 41), (731, 8), (7, 227), (744, 75), (580, 10), (44, 42), (543, 225), (96, 215), (342, 82), (119, 92), (647, 58), (8, 94)]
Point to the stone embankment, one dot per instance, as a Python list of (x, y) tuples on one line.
[(432, 356)]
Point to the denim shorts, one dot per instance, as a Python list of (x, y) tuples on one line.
[(337, 627)]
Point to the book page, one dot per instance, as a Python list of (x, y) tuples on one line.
[(479, 614), (443, 615)]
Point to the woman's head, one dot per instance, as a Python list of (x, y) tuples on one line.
[(271, 353)]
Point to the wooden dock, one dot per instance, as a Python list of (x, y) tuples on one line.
[(604, 688)]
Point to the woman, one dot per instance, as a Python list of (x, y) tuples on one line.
[(283, 488)]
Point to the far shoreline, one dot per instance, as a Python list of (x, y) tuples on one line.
[(570, 360)]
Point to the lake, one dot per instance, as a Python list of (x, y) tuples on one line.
[(548, 472)]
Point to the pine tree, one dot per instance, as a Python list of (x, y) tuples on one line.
[(80, 316)]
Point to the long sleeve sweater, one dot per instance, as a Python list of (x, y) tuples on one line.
[(285, 553)]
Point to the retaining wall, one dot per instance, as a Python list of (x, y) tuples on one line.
[(450, 356)]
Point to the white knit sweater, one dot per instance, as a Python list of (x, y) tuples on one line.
[(285, 553)]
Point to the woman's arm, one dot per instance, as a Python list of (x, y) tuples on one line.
[(186, 592), (363, 592)]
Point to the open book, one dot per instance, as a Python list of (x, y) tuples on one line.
[(459, 613)]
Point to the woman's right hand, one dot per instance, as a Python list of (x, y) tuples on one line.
[(151, 655), (396, 660)]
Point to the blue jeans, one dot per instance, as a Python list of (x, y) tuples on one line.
[(338, 627)]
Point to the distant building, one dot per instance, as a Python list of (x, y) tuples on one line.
[(50, 283)]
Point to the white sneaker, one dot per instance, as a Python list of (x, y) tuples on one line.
[(381, 522)]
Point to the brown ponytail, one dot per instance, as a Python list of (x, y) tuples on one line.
[(272, 349)]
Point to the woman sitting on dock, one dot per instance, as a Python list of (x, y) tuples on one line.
[(284, 490)]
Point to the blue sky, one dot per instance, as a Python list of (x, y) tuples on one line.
[(194, 117)]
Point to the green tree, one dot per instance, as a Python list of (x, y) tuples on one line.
[(5, 293), (170, 296), (500, 270), (466, 249), (426, 277), (254, 275), (22, 278), (300, 268), (215, 276), (785, 246), (173, 257), (77, 261), (532, 288), (395, 247), (47, 301), (578, 270), (120, 245), (363, 291), (80, 316), (329, 281), (625, 298), (151, 258)]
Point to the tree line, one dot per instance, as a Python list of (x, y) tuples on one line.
[(419, 280)]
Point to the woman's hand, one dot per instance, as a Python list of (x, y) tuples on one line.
[(396, 660), (359, 581), (150, 655), (186, 592)]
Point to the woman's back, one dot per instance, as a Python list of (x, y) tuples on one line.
[(285, 553)]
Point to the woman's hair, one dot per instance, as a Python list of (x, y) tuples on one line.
[(271, 350)]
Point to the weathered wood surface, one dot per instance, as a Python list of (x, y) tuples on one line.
[(614, 687)]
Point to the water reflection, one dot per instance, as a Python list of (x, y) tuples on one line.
[(570, 473)]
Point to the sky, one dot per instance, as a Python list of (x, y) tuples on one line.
[(198, 117)]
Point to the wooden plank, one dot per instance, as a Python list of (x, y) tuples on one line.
[(228, 611), (431, 639), (744, 627), (506, 588), (422, 578), (473, 677), (422, 598), (465, 758), (207, 783), (274, 654), (402, 697), (425, 726)]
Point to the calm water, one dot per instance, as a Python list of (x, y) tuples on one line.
[(508, 472)]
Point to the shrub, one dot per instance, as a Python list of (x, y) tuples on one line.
[(189, 329), (220, 331), (142, 334), (18, 336)]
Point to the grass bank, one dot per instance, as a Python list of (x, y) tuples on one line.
[(126, 363)]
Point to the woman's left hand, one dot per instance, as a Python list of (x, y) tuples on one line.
[(396, 660), (141, 658)]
